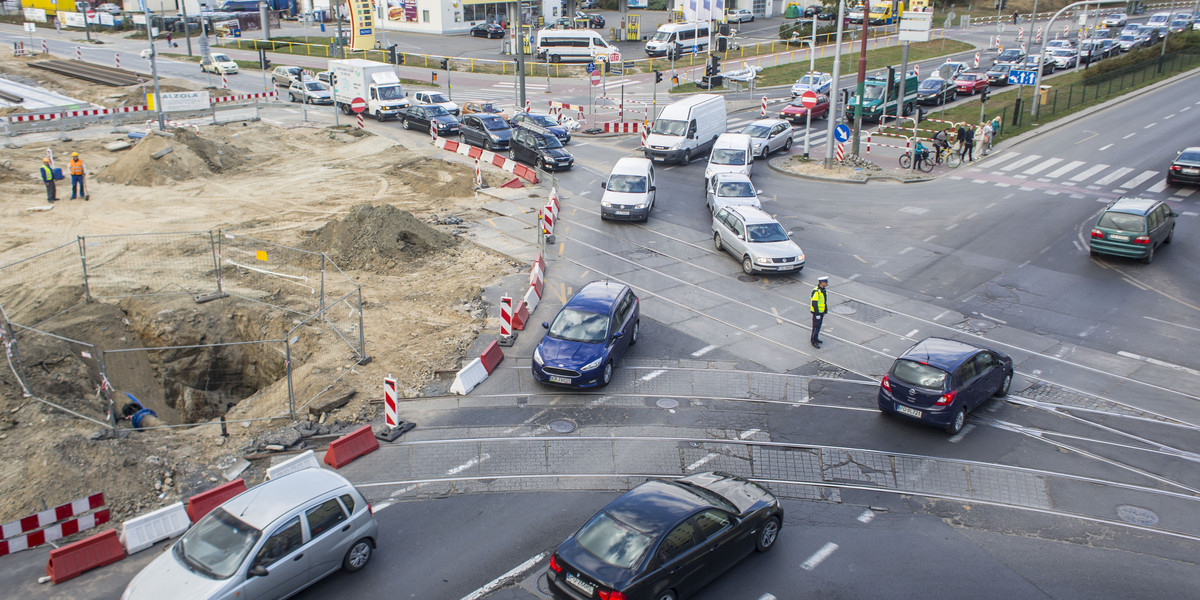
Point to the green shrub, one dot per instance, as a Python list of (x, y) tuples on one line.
[(1175, 43), (804, 30), (653, 5)]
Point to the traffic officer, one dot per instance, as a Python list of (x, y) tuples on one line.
[(77, 172), (819, 301), (47, 174)]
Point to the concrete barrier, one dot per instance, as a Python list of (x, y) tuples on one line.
[(468, 377), (304, 460), (74, 559), (201, 504), (492, 357), (144, 531), (345, 449)]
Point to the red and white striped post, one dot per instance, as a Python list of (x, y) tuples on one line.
[(548, 224), (360, 123), (976, 60), (45, 49), (224, 80), (507, 337), (117, 59), (528, 106), (553, 203), (78, 53), (762, 111), (917, 71), (478, 176), (1037, 39), (275, 90), (645, 128), (1020, 34), (841, 152), (868, 143), (389, 402), (1022, 47)]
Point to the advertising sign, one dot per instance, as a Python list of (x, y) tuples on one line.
[(362, 24), (180, 101)]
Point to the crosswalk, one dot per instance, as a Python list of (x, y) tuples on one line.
[(1057, 176)]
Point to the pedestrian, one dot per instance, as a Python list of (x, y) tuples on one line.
[(168, 39), (819, 300), (47, 174), (961, 138), (78, 171), (1016, 15), (987, 137), (996, 126), (968, 149)]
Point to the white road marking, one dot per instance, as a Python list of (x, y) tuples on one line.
[(494, 584), (906, 250), (1172, 324), (866, 516), (1185, 108), (1155, 361), (1158, 187), (704, 350), (1067, 168), (1103, 148), (929, 238), (468, 464), (1129, 136), (1089, 172), (1020, 163), (951, 226), (818, 556), (956, 438), (527, 421), (767, 597), (1185, 192), (652, 375), (913, 332), (1136, 181), (1045, 164), (1004, 157), (381, 505), (994, 319), (1078, 246), (1115, 175), (712, 455), (1150, 125), (944, 313)]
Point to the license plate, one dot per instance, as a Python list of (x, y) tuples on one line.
[(622, 212), (557, 379), (1191, 171), (1119, 238), (904, 410), (581, 585)]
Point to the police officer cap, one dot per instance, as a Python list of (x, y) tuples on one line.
[(822, 278)]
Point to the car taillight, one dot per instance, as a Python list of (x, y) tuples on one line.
[(1176, 168), (1097, 234), (946, 399), (554, 566), (1141, 239), (614, 595), (885, 384)]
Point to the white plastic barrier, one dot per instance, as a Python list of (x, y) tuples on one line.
[(305, 460), (144, 531), (531, 299), (470, 376)]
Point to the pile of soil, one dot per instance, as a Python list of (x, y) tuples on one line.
[(219, 157), (372, 235), (191, 156), (434, 177), (10, 175)]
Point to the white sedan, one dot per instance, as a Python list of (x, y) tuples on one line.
[(731, 189), (769, 135)]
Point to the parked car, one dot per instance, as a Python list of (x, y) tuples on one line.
[(731, 189), (665, 539), (424, 116), (796, 112), (971, 83), (938, 381), (284, 76), (1117, 19), (436, 98), (542, 120), (630, 190), (538, 146), (1130, 28), (757, 239), (594, 20), (1011, 55), (588, 336), (1179, 25), (110, 8), (1065, 44), (816, 81), (1186, 167), (739, 15), (487, 30), (490, 108), (489, 132), (1149, 36), (769, 135), (827, 15), (1133, 228), (1063, 58), (936, 90), (219, 63), (310, 91), (270, 541), (998, 74)]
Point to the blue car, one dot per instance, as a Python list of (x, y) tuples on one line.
[(588, 336), (938, 381), (541, 120)]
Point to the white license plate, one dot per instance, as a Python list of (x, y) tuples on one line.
[(1191, 171), (904, 410), (557, 379), (1119, 238), (581, 585), (622, 212)]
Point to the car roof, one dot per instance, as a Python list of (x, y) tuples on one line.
[(765, 122), (752, 215), (632, 166), (732, 140), (1133, 206), (597, 296), (732, 177), (1190, 149), (266, 502), (654, 506), (942, 353)]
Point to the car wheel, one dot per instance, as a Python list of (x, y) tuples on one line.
[(293, 97), (1170, 235), (960, 418), (606, 375), (787, 144), (747, 265), (633, 335), (717, 242), (487, 144), (405, 124), (1003, 390), (768, 535), (687, 156), (1149, 258), (358, 555), (555, 58), (667, 595), (379, 116)]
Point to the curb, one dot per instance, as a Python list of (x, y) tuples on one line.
[(865, 179)]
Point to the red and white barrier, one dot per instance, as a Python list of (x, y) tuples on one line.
[(762, 112), (117, 59), (976, 60), (224, 80), (54, 532), (547, 219), (506, 322), (528, 105), (389, 401), (497, 160), (91, 552), (477, 370), (45, 49), (478, 176), (618, 127), (143, 531), (917, 71), (53, 515), (37, 529), (360, 125), (300, 462), (78, 53), (841, 151), (1020, 34), (1037, 39)]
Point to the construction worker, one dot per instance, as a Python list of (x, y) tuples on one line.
[(77, 173), (818, 299), (47, 174)]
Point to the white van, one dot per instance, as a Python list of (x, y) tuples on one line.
[(629, 191), (686, 128), (731, 153), (674, 39), (574, 45)]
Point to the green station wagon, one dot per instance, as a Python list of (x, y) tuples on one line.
[(1133, 228)]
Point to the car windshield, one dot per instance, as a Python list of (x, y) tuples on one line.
[(220, 58), (728, 156), (1122, 222), (931, 85), (217, 545), (294, 71), (810, 80), (488, 107), (543, 120), (627, 184), (435, 97), (661, 36), (920, 375), (1001, 68), (613, 541), (579, 326), (967, 77), (435, 111), (548, 141), (494, 123), (1127, 38), (665, 127), (1062, 52), (766, 232), (874, 92), (391, 92), (757, 131), (735, 189), (1189, 157), (314, 86)]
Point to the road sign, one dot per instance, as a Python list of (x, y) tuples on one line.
[(841, 133), (591, 68), (1022, 77), (614, 57), (358, 105), (595, 79), (808, 99), (616, 68)]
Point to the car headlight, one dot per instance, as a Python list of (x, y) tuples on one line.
[(537, 357), (592, 365), (762, 260), (606, 204), (708, 173), (758, 147), (801, 257), (640, 205)]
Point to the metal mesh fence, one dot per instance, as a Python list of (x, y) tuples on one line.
[(149, 264), (27, 283)]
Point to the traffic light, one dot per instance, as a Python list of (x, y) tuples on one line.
[(445, 64), (714, 64), (263, 61), (657, 77), (984, 97)]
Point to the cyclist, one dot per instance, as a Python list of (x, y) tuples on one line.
[(920, 153), (941, 141)]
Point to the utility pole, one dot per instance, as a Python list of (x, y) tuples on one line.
[(187, 30), (162, 125), (862, 80), (341, 48), (519, 48), (832, 119), (1020, 88), (1041, 55), (812, 61)]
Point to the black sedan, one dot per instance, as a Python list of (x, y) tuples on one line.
[(936, 90), (665, 539), (424, 116), (998, 74), (938, 381), (487, 30), (1186, 167)]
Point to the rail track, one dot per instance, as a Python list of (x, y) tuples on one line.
[(90, 72)]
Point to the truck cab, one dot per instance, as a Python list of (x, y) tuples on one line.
[(881, 13), (879, 98), (374, 82)]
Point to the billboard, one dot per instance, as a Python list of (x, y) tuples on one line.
[(362, 24)]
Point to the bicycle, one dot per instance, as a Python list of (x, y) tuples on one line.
[(925, 163), (948, 157)]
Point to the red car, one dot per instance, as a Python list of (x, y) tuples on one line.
[(971, 83), (796, 112)]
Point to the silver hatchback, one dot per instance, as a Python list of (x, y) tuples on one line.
[(268, 542)]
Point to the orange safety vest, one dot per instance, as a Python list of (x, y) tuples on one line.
[(76, 166)]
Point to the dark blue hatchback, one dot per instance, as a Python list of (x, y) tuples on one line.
[(588, 336), (939, 381)]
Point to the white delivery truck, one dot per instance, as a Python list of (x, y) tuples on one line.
[(686, 129), (375, 82)]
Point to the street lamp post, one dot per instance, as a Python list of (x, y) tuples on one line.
[(162, 125), (831, 120), (1037, 73)]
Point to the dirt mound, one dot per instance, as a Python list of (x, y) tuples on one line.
[(370, 235), (435, 178), (191, 156), (10, 175)]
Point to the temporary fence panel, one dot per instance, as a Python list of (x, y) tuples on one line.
[(149, 264)]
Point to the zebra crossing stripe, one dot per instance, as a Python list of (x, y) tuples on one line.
[(1004, 157), (1020, 163), (1136, 181), (1088, 173), (1067, 168), (1115, 175), (1158, 187), (1042, 166), (1185, 191)]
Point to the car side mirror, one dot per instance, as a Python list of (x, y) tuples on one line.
[(258, 571), (618, 334), (652, 188), (1174, 214), (545, 325), (759, 192), (604, 185)]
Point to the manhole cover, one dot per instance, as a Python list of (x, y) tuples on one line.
[(1137, 515), (981, 324), (748, 278), (667, 403), (842, 309), (562, 426)]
